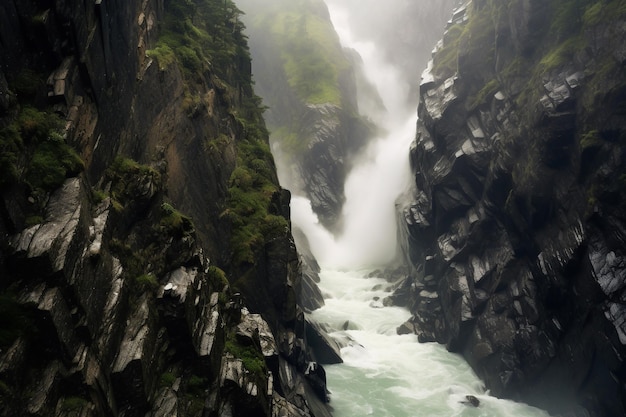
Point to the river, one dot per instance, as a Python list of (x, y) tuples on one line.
[(384, 374)]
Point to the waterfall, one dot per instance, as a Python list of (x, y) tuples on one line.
[(383, 374)]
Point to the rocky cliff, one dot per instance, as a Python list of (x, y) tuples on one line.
[(146, 261), (516, 226), (309, 83)]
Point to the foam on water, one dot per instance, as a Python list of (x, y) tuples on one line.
[(386, 374), (383, 374)]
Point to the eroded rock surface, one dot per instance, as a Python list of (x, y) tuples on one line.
[(515, 227)]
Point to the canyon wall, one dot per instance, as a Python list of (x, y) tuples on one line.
[(515, 227), (146, 261)]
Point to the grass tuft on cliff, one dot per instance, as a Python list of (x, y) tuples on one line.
[(34, 151)]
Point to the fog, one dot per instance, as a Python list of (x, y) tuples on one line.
[(394, 39), (404, 32)]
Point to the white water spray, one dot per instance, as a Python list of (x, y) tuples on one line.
[(384, 374), (380, 174)]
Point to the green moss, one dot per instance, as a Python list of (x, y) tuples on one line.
[(562, 53), (198, 36), (445, 61), (197, 385), (173, 222), (146, 282), (590, 139), (98, 196), (73, 404), (487, 91), (217, 278), (34, 139), (36, 125), (163, 54), (51, 164), (251, 356), (27, 83), (128, 177), (33, 220), (167, 379)]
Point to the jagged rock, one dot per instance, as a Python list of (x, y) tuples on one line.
[(283, 408), (524, 268), (326, 349), (178, 283), (253, 329), (97, 230), (206, 327), (166, 404), (116, 288), (309, 295), (245, 396), (49, 242), (44, 392), (130, 369), (300, 393), (471, 400)]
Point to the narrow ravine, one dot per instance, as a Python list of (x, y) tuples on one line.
[(383, 374)]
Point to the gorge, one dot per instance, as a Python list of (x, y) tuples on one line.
[(151, 262)]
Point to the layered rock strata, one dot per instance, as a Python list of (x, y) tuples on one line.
[(130, 285), (515, 227)]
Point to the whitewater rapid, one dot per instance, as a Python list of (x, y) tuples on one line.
[(384, 374), (389, 375)]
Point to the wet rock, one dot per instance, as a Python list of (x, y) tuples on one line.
[(48, 243), (131, 367), (206, 327), (326, 349), (471, 401), (243, 394), (525, 270), (309, 295), (253, 329), (166, 404)]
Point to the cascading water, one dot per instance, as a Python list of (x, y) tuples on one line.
[(383, 374)]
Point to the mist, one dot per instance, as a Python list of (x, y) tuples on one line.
[(403, 31), (392, 41)]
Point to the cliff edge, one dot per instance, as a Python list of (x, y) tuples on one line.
[(146, 261)]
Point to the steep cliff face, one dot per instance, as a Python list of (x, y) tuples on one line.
[(146, 261), (308, 82), (516, 224)]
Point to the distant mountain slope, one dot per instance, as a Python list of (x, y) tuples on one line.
[(308, 81)]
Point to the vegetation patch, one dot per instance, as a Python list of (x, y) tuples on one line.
[(562, 54), (445, 61), (11, 146), (33, 144), (251, 356), (590, 139), (167, 379), (199, 36), (173, 222), (252, 188), (70, 404), (131, 180), (488, 90)]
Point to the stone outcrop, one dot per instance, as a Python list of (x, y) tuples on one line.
[(120, 290), (515, 227)]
